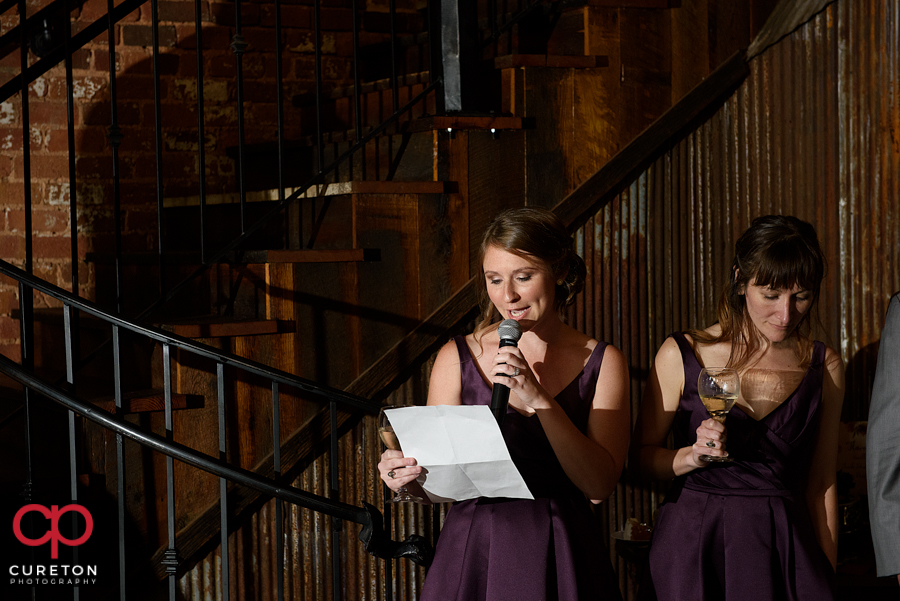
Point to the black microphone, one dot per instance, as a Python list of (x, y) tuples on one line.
[(510, 332)]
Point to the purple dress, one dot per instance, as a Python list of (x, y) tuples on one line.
[(741, 530), (516, 549)]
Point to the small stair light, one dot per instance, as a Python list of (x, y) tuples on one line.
[(495, 134), (450, 133)]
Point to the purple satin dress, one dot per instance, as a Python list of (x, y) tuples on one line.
[(741, 530), (516, 549)]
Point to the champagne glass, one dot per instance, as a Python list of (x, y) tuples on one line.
[(389, 438), (718, 388)]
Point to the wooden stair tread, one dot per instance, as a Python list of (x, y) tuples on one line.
[(217, 327), (247, 257), (542, 60), (335, 189), (308, 99), (465, 122), (150, 400)]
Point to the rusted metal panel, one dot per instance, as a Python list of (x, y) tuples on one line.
[(812, 132)]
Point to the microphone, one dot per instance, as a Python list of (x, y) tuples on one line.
[(510, 332)]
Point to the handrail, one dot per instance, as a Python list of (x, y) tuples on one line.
[(276, 375), (283, 204), (77, 41), (184, 453)]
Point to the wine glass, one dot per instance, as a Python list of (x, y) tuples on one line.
[(389, 438), (718, 388)]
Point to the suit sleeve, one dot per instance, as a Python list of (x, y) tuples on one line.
[(883, 447)]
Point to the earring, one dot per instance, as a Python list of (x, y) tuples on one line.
[(559, 282)]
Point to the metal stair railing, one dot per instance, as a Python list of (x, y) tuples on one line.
[(372, 534)]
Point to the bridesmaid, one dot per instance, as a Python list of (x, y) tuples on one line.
[(567, 428), (763, 526)]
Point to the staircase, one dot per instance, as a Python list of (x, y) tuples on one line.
[(277, 300)]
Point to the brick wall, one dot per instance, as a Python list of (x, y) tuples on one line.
[(50, 178)]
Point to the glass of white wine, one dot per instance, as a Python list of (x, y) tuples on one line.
[(389, 438), (719, 388)]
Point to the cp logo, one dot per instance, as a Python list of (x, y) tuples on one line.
[(53, 534)]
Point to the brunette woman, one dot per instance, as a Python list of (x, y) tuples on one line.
[(764, 525), (567, 428)]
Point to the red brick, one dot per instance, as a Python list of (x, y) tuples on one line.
[(9, 328), (254, 67), (91, 10), (12, 194), (48, 112), (15, 220), (50, 167), (11, 139), (81, 59), (51, 221), (134, 62), (142, 35), (9, 300), (12, 247), (179, 116), (129, 114), (93, 167), (181, 12), (53, 247), (12, 351), (224, 14), (338, 19), (90, 140), (221, 66), (260, 40), (299, 17)]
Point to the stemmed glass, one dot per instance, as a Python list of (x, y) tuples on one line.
[(389, 438), (718, 388)]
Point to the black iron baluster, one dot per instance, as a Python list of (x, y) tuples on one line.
[(238, 47), (435, 58), (26, 344), (120, 458), (356, 90), (320, 145), (68, 326), (114, 134), (157, 120), (279, 526), (170, 559), (336, 524), (279, 114), (392, 11), (201, 127), (70, 122), (317, 30), (223, 482)]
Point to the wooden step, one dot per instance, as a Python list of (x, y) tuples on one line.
[(246, 257), (149, 401), (511, 61), (463, 122), (218, 327)]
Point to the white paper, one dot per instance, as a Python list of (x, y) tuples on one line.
[(461, 450)]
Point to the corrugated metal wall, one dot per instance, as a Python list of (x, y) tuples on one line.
[(813, 132)]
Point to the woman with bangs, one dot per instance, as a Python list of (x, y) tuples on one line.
[(764, 524), (567, 428)]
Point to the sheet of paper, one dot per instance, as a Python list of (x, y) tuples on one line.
[(461, 450)]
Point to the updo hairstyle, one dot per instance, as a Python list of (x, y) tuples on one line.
[(776, 251), (532, 233)]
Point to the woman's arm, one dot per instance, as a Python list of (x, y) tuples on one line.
[(658, 405), (444, 388), (821, 490), (592, 461)]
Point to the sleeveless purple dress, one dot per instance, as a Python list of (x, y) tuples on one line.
[(516, 549), (741, 530)]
